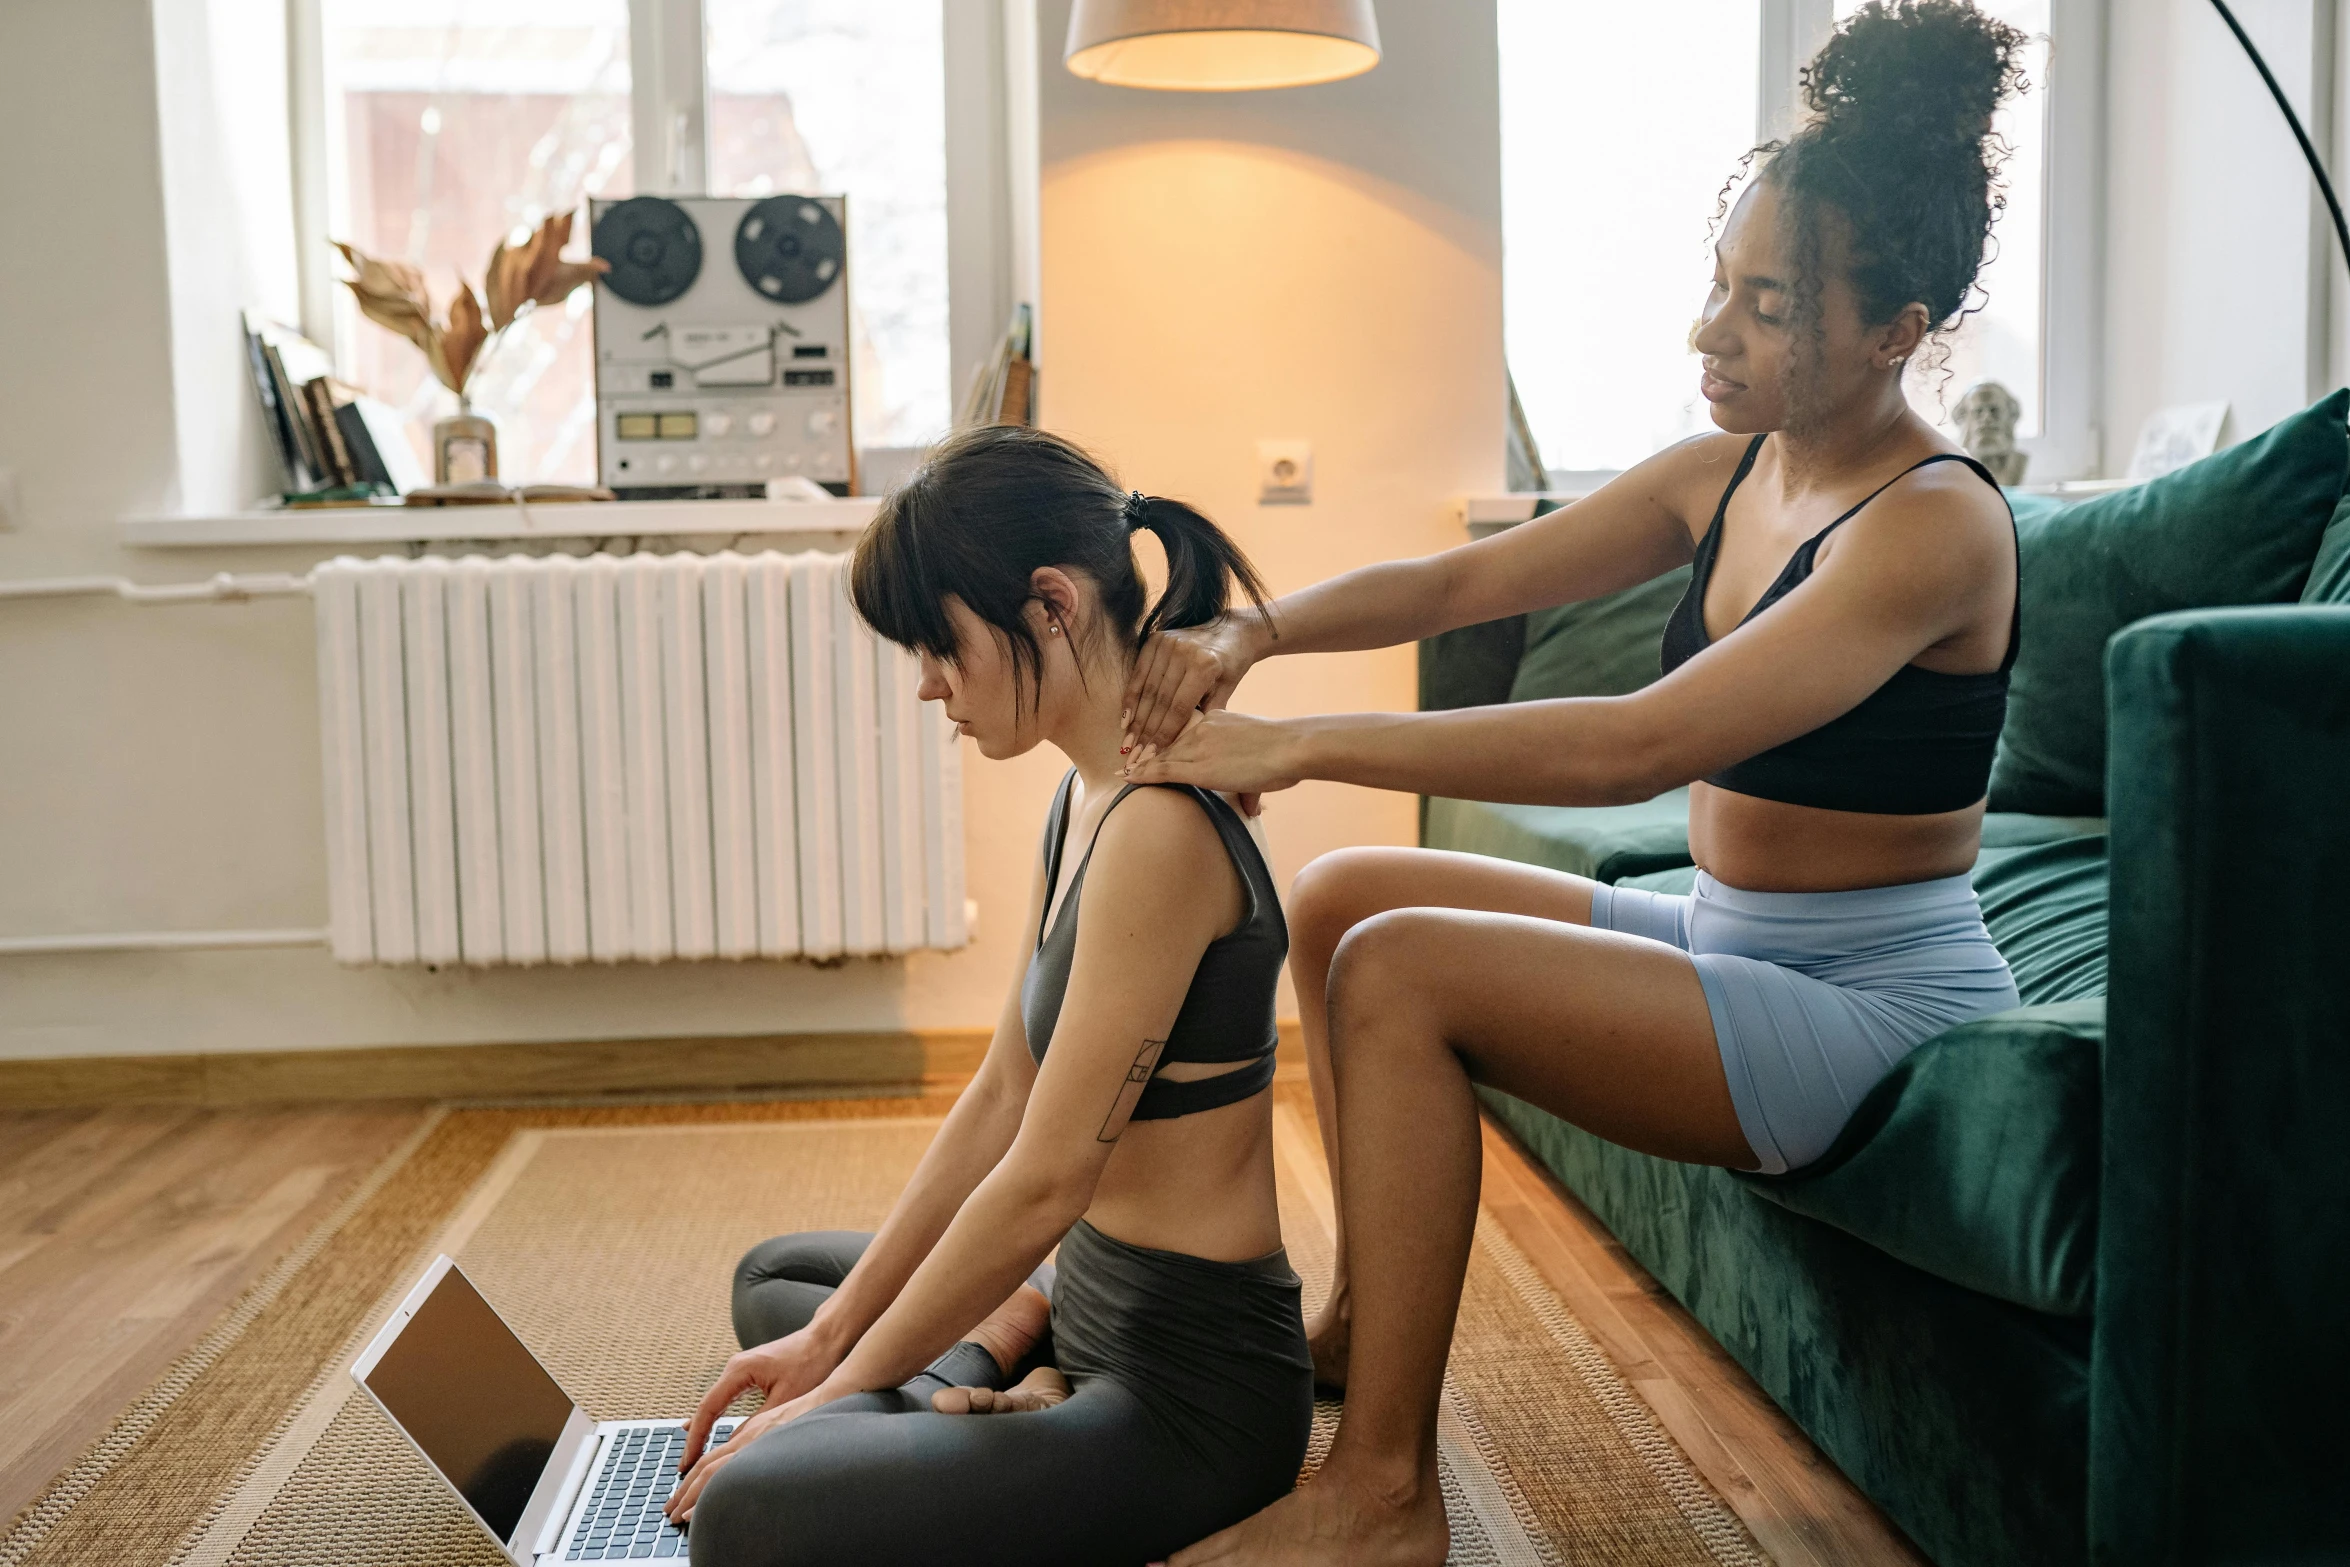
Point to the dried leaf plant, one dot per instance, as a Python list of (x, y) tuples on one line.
[(520, 278)]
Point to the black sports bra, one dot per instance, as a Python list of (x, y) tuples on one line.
[(1919, 744), (1227, 1014)]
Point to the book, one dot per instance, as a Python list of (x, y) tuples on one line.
[(319, 399), (1019, 397), (275, 417), (1003, 391), (281, 361), (289, 397), (492, 492), (377, 441)]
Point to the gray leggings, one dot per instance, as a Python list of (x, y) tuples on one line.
[(1192, 1401)]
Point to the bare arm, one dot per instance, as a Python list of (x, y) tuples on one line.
[(1631, 529), (1875, 603), (971, 1142), (1140, 932)]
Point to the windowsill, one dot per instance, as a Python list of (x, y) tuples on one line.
[(451, 524), (1485, 515)]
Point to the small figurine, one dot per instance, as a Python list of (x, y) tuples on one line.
[(1986, 418)]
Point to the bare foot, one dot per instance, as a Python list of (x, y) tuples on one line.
[(1326, 1341), (1342, 1525), (1040, 1389), (1013, 1328)]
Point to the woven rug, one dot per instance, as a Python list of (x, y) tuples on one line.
[(607, 1237)]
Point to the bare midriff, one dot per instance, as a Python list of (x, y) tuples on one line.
[(1768, 846), (1199, 1184)]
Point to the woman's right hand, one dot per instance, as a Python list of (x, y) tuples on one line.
[(1178, 673), (782, 1369)]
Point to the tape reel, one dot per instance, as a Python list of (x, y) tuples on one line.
[(654, 247), (789, 248)]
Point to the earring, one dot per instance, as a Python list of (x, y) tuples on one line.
[(1054, 631)]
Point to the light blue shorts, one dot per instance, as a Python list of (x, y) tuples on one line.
[(1817, 995)]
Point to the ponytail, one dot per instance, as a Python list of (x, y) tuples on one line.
[(990, 505), (1202, 565)]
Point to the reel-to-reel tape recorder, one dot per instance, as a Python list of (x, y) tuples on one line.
[(718, 373)]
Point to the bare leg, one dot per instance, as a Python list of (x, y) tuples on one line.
[(1606, 1030), (1329, 898)]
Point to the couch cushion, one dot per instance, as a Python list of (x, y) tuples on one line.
[(1600, 647), (1976, 1159), (1604, 842), (2329, 575), (2045, 906), (2241, 527)]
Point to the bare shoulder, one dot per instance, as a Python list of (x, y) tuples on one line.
[(1159, 854), (1941, 518), (1935, 552), (1160, 827), (1688, 477)]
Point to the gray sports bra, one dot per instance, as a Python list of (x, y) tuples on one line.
[(1227, 1013)]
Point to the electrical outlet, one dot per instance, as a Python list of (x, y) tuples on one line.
[(11, 501), (1285, 473)]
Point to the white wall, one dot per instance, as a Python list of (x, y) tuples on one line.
[(1320, 263), (2211, 218)]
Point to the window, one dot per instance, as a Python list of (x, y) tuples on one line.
[(1611, 169), (2000, 340), (1610, 178), (793, 106), (451, 123)]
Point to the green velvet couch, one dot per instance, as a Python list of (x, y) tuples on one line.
[(2072, 1285)]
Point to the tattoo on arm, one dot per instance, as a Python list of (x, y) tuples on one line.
[(1138, 1077)]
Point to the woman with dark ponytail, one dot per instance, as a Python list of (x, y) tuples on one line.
[(1833, 687), (1121, 1112)]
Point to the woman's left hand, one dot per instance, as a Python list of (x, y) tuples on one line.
[(680, 1506), (1223, 750)]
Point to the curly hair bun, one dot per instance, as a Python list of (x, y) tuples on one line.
[(1926, 72), (1899, 145)]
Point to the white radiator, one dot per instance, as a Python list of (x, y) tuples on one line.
[(552, 759)]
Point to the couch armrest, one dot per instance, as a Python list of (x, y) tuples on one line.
[(2220, 1366)]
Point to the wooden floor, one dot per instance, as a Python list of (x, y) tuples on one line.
[(1802, 1510), (125, 1230)]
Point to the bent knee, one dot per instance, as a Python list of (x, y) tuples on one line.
[(741, 1519), (1387, 957), (809, 1257), (1340, 889)]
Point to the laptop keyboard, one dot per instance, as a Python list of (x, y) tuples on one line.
[(623, 1522)]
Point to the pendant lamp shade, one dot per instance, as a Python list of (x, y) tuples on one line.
[(1220, 45)]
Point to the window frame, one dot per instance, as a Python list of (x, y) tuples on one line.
[(2072, 257), (988, 122)]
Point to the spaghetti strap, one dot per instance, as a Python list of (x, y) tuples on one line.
[(1922, 462), (1722, 507), (1056, 837)]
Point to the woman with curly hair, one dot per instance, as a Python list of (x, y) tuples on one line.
[(1834, 683)]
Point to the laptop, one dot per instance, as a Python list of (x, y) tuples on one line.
[(548, 1483)]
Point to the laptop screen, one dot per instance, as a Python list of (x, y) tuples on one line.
[(479, 1403)]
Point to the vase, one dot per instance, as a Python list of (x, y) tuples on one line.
[(464, 447)]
